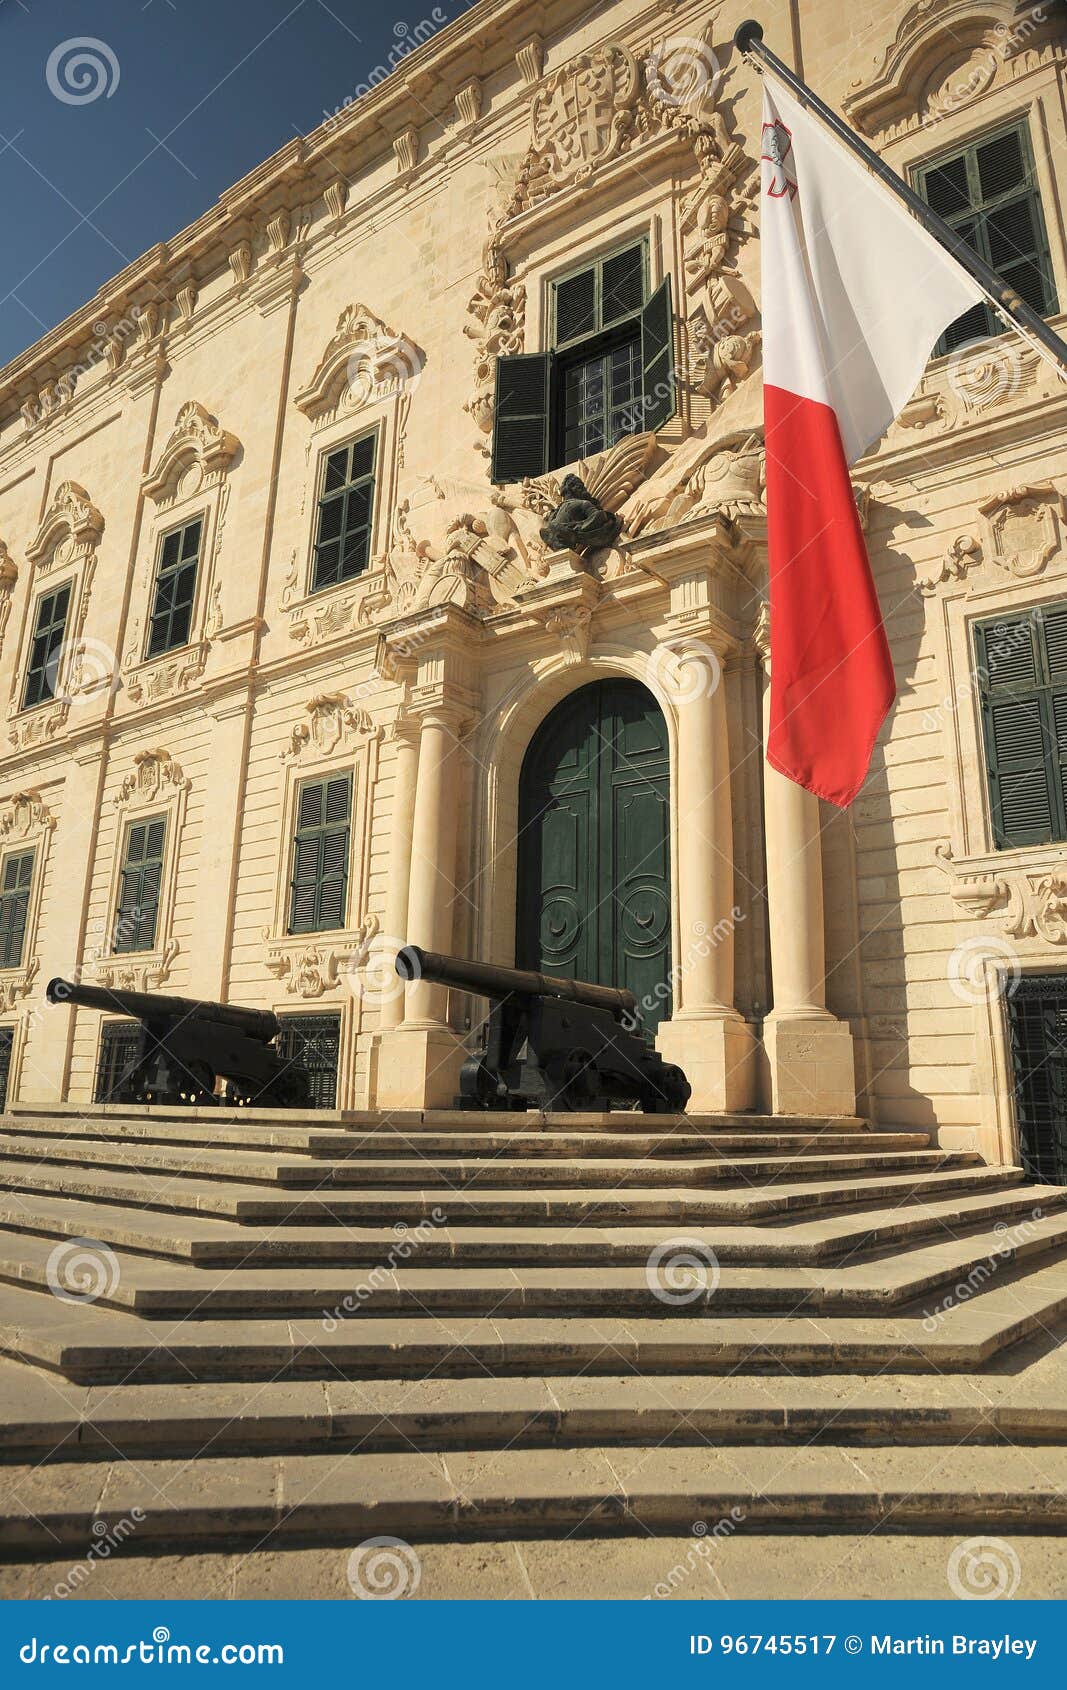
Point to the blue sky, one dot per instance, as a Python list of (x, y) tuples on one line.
[(188, 96)]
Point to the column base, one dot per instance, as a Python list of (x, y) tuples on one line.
[(416, 1068), (811, 1066), (717, 1054)]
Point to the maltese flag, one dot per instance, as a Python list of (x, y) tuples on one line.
[(855, 296)]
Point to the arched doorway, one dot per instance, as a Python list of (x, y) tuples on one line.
[(594, 879)]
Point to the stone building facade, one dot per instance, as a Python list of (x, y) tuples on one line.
[(291, 677)]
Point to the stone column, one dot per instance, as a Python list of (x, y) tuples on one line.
[(808, 1051), (405, 737), (705, 1035)]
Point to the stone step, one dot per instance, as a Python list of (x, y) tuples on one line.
[(168, 1290), (91, 1343), (400, 1142), (418, 1496), (502, 1173), (1019, 1397), (582, 1206)]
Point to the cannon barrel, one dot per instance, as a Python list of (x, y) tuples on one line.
[(485, 978), (259, 1024)]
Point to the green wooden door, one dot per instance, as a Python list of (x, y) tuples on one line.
[(594, 891)]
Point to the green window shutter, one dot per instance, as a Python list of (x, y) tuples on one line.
[(175, 589), (576, 306), (987, 192), (657, 359), (319, 881), (15, 883), (1022, 670), (140, 884), (49, 630), (345, 513), (520, 422)]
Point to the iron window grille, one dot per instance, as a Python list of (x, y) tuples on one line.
[(319, 880), (120, 1048), (1021, 666), (987, 191), (7, 1041), (140, 880), (175, 588), (15, 882), (1037, 1017), (46, 647), (345, 513), (314, 1041)]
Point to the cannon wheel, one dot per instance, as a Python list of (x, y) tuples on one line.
[(571, 1077), (199, 1082)]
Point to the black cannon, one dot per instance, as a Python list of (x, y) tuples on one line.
[(186, 1045), (551, 1043)]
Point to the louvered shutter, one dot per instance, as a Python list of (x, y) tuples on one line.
[(622, 285), (576, 313), (657, 358), (520, 423), (320, 855), (1022, 757), (1055, 641)]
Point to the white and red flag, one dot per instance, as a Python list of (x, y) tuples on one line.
[(855, 296)]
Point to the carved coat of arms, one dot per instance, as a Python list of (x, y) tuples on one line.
[(582, 115)]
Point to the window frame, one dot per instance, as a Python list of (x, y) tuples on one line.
[(16, 894), (346, 444), (128, 868), (1046, 691), (596, 346), (148, 655), (968, 151), (41, 669), (320, 831)]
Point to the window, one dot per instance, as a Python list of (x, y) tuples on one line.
[(610, 371), (172, 603), (1022, 669), (988, 193), (346, 506), (120, 1048), (15, 880), (320, 855), (139, 885), (48, 632), (7, 1041), (314, 1041)]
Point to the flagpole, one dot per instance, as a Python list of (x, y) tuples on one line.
[(748, 38)]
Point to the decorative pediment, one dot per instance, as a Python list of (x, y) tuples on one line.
[(153, 773), (196, 441), (944, 53), (363, 361), (1022, 528), (71, 527), (22, 815), (333, 721)]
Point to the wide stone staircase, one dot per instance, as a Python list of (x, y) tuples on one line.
[(259, 1330)]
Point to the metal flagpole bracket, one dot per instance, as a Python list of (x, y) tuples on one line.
[(748, 39)]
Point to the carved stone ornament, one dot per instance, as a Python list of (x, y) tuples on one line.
[(134, 974), (578, 119), (962, 554), (312, 969), (1022, 528), (23, 814), (71, 528), (363, 361), (152, 774), (26, 820), (196, 438), (579, 522), (333, 721), (9, 575)]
